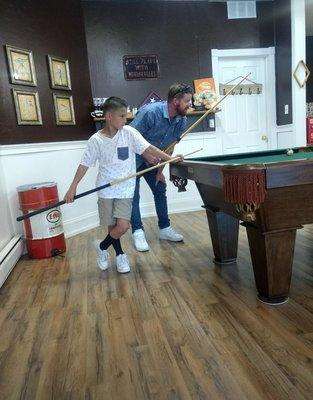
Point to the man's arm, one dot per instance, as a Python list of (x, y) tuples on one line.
[(81, 170)]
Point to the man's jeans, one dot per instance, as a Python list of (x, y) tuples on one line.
[(160, 201)]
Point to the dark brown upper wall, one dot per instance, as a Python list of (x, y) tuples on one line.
[(46, 27), (182, 34), (283, 61), (309, 62)]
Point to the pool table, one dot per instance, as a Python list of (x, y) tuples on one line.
[(283, 204)]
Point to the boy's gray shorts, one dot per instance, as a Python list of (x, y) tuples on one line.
[(111, 209)]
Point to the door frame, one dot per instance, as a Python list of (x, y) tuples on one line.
[(298, 51), (268, 54)]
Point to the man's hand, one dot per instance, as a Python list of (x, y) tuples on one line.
[(160, 177), (181, 158)]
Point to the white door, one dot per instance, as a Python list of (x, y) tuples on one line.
[(242, 123)]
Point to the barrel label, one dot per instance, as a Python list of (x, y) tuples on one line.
[(47, 224)]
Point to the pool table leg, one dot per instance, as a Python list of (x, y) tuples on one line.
[(272, 257), (224, 234)]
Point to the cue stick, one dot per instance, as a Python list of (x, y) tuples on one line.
[(115, 182), (205, 114)]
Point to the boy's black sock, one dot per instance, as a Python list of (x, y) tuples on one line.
[(106, 243), (117, 247)]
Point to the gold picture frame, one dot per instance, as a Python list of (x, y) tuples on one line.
[(64, 109), (27, 107), (59, 73), (21, 66)]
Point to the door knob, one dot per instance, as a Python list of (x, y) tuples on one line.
[(265, 138)]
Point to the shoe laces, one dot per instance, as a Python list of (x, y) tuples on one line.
[(103, 255), (122, 256), (139, 233)]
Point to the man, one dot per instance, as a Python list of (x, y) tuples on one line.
[(161, 124)]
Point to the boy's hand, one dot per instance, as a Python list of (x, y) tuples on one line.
[(153, 160), (69, 197)]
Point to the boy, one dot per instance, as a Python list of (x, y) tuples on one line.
[(115, 147)]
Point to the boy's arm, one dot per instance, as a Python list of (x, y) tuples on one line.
[(170, 152), (81, 170), (154, 154), (160, 176)]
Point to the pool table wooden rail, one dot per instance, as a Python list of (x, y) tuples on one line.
[(282, 174)]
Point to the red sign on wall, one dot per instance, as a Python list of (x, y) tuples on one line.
[(141, 67)]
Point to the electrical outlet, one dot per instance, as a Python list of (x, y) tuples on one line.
[(286, 109), (211, 123)]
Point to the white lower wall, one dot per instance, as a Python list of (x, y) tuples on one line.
[(9, 256), (6, 231), (57, 162), (285, 136), (10, 252)]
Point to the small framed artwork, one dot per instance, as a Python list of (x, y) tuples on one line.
[(151, 98), (64, 109), (21, 66), (59, 73), (27, 107)]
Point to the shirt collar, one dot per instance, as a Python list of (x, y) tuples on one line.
[(176, 119)]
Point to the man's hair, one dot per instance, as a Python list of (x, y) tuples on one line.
[(113, 104), (178, 90)]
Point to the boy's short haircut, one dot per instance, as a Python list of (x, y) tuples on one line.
[(178, 90), (113, 104)]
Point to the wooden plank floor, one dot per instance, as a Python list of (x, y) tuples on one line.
[(176, 327)]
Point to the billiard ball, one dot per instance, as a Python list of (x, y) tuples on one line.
[(289, 152)]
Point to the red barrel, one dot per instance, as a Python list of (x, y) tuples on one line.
[(43, 232)]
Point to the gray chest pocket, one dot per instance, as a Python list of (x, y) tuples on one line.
[(122, 153)]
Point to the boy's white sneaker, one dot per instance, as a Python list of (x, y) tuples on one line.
[(140, 240), (103, 256), (170, 234), (122, 263)]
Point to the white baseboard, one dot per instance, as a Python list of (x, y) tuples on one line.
[(174, 207), (81, 224), (10, 256), (89, 221)]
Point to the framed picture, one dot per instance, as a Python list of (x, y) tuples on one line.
[(64, 109), (27, 107), (59, 73), (151, 98), (21, 66)]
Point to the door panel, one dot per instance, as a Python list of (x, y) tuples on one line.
[(242, 121)]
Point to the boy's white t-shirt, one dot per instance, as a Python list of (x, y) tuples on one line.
[(117, 159)]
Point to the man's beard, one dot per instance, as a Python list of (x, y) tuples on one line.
[(181, 111)]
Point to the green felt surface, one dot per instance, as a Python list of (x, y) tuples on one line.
[(258, 158)]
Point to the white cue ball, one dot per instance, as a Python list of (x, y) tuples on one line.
[(289, 152)]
